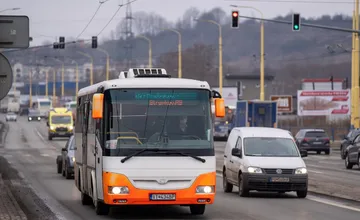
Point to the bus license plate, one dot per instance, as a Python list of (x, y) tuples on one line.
[(61, 133), (162, 197), (279, 179)]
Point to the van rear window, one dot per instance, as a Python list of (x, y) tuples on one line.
[(315, 134)]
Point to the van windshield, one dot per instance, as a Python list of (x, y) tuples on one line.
[(270, 147), (57, 119)]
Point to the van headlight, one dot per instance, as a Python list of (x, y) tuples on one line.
[(254, 170), (117, 190), (302, 170), (205, 189), (73, 159), (52, 128), (71, 127)]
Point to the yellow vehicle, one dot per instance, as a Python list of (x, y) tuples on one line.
[(60, 123)]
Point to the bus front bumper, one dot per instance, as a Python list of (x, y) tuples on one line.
[(135, 196)]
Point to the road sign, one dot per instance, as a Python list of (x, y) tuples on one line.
[(285, 102), (14, 31), (6, 76)]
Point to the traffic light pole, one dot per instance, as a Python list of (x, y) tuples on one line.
[(305, 24)]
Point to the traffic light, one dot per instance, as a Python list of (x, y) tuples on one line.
[(94, 42), (235, 19), (61, 42), (296, 22), (56, 45)]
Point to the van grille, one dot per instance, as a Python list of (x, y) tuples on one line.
[(283, 171)]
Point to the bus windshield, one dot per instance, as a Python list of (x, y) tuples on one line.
[(61, 119), (158, 118)]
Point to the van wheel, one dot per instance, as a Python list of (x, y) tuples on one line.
[(228, 187), (102, 208), (327, 152), (348, 164), (243, 189), (85, 199), (67, 174), (302, 194), (50, 137), (197, 209), (59, 168)]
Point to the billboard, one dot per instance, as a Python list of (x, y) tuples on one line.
[(319, 103), (229, 94), (285, 102)]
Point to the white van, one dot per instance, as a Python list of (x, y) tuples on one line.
[(264, 159)]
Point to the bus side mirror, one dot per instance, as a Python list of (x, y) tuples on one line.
[(97, 106), (219, 108)]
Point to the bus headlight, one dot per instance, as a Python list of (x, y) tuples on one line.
[(302, 170), (205, 189), (117, 190)]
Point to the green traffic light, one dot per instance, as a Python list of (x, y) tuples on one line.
[(296, 27)]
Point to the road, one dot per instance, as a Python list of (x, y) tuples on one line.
[(29, 151)]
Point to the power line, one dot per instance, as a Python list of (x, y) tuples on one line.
[(295, 1), (114, 15), (92, 18)]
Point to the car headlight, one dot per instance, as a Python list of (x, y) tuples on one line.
[(302, 170), (30, 118), (254, 170), (73, 159), (205, 189), (39, 118), (117, 190), (52, 127)]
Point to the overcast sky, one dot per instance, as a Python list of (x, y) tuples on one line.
[(50, 19)]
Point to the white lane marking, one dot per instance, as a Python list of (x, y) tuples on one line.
[(44, 155), (315, 171), (27, 155), (43, 139), (323, 201)]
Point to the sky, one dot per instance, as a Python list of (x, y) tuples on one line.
[(50, 19)]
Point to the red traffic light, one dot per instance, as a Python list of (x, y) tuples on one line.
[(235, 14)]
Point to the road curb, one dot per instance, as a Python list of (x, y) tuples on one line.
[(312, 190), (3, 131)]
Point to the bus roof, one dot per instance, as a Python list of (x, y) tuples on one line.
[(130, 83)]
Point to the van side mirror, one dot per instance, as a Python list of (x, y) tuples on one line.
[(47, 123), (303, 153), (63, 149), (236, 152)]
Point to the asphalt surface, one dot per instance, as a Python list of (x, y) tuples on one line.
[(29, 151)]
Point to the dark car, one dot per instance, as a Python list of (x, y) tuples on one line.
[(313, 140), (352, 153), (34, 115), (65, 161), (347, 140)]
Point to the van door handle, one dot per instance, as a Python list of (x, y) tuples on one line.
[(231, 161), (225, 156)]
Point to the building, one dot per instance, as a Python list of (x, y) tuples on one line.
[(250, 85)]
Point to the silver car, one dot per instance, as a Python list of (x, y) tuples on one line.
[(11, 116)]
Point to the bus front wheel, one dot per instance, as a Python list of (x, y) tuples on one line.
[(102, 208)]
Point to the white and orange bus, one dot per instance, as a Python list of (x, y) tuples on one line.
[(146, 140)]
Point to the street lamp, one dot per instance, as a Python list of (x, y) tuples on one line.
[(150, 48), (107, 62), (262, 53), (91, 67), (179, 50), (9, 9), (220, 52)]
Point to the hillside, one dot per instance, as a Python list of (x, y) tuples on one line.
[(289, 54)]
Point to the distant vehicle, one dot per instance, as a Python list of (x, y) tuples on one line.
[(65, 161), (43, 106), (222, 126), (34, 115), (313, 140), (264, 159), (347, 140), (11, 116), (4, 104), (352, 153), (60, 123)]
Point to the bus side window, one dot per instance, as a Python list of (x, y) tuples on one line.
[(79, 120)]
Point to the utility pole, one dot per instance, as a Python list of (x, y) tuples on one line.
[(129, 35), (356, 68)]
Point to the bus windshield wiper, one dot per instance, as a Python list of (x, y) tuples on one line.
[(183, 154), (138, 153)]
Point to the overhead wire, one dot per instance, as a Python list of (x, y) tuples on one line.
[(295, 1), (114, 15)]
